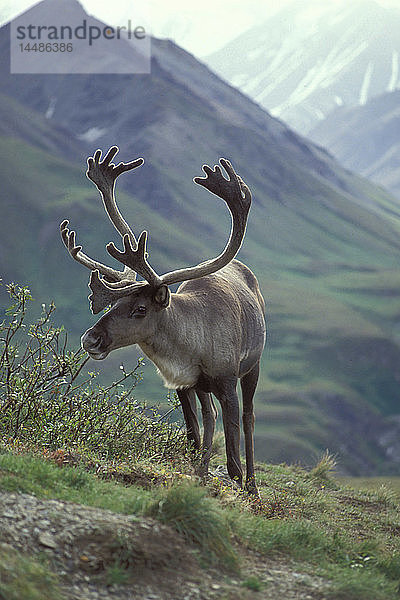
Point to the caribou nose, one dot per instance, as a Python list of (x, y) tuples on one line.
[(91, 340)]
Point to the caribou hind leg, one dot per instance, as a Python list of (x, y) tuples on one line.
[(187, 399), (248, 384)]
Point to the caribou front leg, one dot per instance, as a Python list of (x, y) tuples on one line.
[(187, 398), (209, 416)]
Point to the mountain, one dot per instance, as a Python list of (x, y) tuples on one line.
[(58, 36), (311, 57), (366, 138), (324, 243)]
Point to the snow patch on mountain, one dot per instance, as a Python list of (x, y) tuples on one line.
[(366, 83), (394, 77), (51, 108), (92, 134), (297, 63)]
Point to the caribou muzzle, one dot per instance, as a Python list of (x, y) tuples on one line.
[(97, 344)]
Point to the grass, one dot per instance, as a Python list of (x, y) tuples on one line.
[(198, 519), (385, 485), (24, 578), (75, 442), (348, 537), (253, 583), (324, 467), (34, 475)]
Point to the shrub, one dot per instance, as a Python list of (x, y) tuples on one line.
[(47, 400)]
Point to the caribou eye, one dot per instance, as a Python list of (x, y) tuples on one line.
[(140, 311)]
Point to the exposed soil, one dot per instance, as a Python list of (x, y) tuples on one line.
[(83, 544)]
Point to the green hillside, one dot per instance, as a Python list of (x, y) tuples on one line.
[(323, 243)]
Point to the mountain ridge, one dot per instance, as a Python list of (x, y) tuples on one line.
[(365, 139), (308, 59)]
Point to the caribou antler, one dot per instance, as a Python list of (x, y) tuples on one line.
[(136, 259), (238, 198), (104, 294), (104, 174), (68, 237)]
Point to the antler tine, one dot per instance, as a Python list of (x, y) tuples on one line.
[(68, 237), (104, 174), (135, 259), (237, 196), (102, 294)]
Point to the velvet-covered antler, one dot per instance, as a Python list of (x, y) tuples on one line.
[(238, 198), (117, 284), (104, 174)]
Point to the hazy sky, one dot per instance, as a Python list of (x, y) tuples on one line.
[(200, 27)]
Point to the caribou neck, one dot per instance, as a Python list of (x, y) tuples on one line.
[(172, 345)]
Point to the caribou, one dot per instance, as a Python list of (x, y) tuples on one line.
[(202, 338)]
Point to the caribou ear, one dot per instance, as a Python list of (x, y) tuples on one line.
[(162, 296)]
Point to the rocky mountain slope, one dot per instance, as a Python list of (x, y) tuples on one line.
[(365, 139), (311, 57), (323, 242)]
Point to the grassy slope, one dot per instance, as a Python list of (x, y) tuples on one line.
[(306, 520), (326, 264)]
